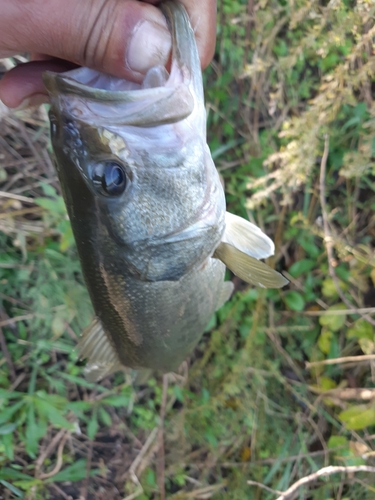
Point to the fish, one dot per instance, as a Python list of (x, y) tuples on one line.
[(148, 209)]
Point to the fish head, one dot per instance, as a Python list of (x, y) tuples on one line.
[(136, 156)]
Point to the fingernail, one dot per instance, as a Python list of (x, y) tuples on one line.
[(149, 46), (32, 101)]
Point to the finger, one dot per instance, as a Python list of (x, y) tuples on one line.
[(120, 37), (23, 86), (36, 56), (128, 49)]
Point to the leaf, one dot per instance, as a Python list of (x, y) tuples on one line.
[(151, 478), (294, 301), (178, 393), (336, 441), (58, 325), (326, 383), (74, 472), (7, 428), (311, 249), (212, 323), (93, 426), (361, 329), (54, 414), (79, 406), (367, 346), (48, 190), (67, 238), (27, 485), (5, 394), (245, 454), (211, 438), (358, 417), (7, 440), (8, 473), (80, 381), (117, 401), (324, 341), (329, 288), (31, 434), (55, 206), (301, 267), (12, 488), (7, 414), (333, 321), (105, 417)]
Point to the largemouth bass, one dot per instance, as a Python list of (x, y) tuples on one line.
[(147, 209)]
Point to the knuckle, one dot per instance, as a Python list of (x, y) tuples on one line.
[(99, 38)]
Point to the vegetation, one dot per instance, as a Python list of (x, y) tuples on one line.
[(283, 381)]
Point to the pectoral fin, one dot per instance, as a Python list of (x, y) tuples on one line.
[(247, 237), (248, 268), (95, 346)]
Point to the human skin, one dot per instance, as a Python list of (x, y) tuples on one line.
[(120, 37)]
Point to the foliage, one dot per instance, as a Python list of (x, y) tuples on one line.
[(259, 400)]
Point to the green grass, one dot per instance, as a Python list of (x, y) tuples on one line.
[(285, 81)]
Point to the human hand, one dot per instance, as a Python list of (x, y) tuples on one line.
[(120, 37)]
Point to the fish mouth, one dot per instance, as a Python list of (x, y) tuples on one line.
[(160, 99)]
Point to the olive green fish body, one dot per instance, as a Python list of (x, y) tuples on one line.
[(150, 324), (147, 208)]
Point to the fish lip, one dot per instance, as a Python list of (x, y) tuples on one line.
[(65, 84), (181, 94), (132, 107)]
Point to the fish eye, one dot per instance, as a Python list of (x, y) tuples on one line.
[(109, 178)]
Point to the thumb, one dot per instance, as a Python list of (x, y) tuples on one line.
[(120, 37)]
